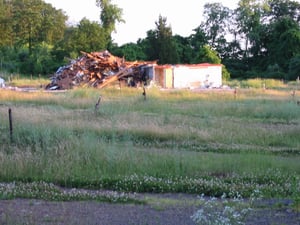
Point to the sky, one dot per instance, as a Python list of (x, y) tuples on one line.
[(141, 15)]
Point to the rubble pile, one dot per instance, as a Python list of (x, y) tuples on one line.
[(97, 69)]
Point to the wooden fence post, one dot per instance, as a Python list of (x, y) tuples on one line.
[(10, 124)]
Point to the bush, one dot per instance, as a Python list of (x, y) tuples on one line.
[(294, 68)]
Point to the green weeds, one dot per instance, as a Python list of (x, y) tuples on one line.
[(178, 141), (51, 192)]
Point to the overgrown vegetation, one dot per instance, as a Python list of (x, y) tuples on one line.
[(257, 39), (175, 141), (50, 192)]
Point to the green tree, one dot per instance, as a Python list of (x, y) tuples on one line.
[(233, 49), (184, 49), (35, 22), (284, 43), (86, 36), (67, 46), (294, 68), (162, 43), (284, 8), (53, 24), (208, 55), (6, 24), (150, 44), (198, 39), (29, 28), (27, 19), (130, 52), (110, 15), (249, 18), (89, 36), (216, 18)]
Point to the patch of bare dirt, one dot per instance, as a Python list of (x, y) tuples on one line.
[(171, 209)]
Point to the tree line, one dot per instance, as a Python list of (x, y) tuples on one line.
[(260, 38)]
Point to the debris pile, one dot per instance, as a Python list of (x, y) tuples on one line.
[(98, 69)]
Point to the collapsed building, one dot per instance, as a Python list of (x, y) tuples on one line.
[(100, 69)]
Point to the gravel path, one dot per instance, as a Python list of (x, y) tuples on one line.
[(173, 209)]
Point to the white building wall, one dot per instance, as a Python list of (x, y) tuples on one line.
[(180, 77), (214, 76), (197, 76)]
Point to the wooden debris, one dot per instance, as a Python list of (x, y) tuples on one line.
[(97, 69)]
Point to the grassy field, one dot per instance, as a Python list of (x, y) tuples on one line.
[(210, 142)]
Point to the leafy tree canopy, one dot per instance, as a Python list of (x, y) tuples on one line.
[(110, 15)]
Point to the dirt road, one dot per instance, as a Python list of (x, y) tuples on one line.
[(163, 209)]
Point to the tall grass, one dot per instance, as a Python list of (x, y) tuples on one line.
[(258, 83), (173, 141)]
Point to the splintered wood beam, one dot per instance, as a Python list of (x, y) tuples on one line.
[(114, 78)]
